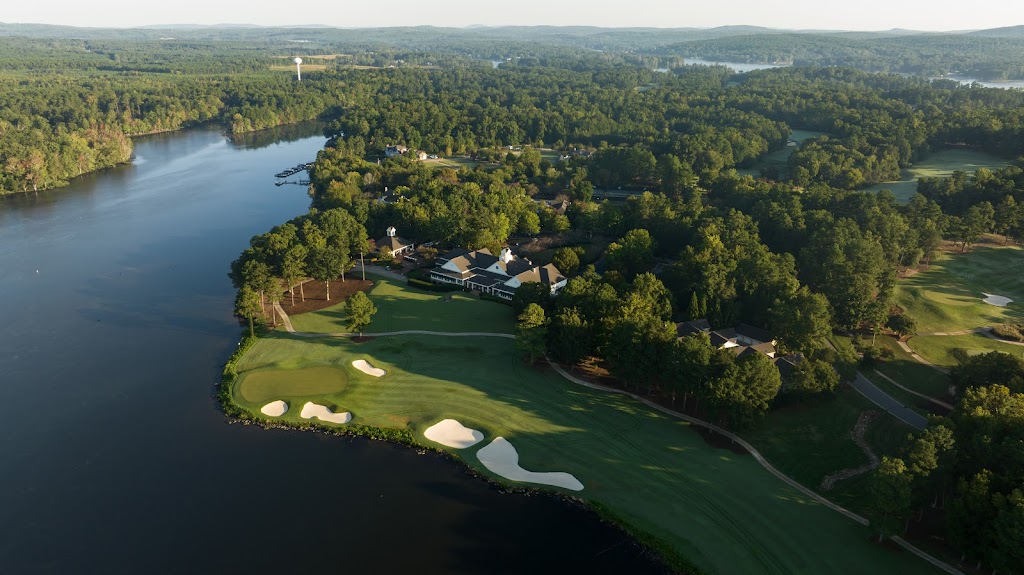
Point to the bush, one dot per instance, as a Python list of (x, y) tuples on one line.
[(430, 286), (1010, 331), (872, 355), (489, 297)]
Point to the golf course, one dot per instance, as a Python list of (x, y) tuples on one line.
[(721, 510), (941, 164), (948, 303), (950, 295)]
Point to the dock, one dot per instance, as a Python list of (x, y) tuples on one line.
[(293, 170)]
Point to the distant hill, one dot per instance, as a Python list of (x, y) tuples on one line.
[(996, 54), (999, 56), (1007, 32)]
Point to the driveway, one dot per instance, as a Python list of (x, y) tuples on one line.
[(886, 402)]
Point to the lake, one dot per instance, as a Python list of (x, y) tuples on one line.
[(117, 320), (736, 66)]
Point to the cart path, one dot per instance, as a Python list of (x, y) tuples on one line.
[(903, 345)]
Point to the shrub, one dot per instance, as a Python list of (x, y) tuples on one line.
[(430, 286), (489, 297), (1010, 331)]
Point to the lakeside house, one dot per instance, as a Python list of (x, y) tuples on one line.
[(392, 245), (496, 275)]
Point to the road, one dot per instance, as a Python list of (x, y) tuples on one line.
[(886, 402)]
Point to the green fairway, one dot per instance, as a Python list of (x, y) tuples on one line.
[(262, 385), (719, 509), (940, 350), (948, 297), (400, 307), (939, 165)]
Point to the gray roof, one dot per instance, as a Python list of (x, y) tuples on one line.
[(692, 327), (753, 332), (475, 263), (393, 243)]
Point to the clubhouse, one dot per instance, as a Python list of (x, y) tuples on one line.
[(495, 275)]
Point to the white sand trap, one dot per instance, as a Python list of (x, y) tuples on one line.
[(453, 434), (275, 408), (501, 458), (323, 413), (996, 300), (363, 366)]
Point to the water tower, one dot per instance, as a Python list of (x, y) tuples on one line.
[(298, 69)]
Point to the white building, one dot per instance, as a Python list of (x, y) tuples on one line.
[(496, 275), (393, 245)]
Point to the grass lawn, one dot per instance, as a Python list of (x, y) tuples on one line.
[(909, 372), (909, 400), (939, 349), (400, 307), (811, 440), (948, 297), (719, 509), (939, 165), (454, 162)]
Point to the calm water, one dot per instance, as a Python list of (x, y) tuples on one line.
[(736, 66), (113, 458)]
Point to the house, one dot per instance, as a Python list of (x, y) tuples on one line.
[(750, 335), (741, 340), (392, 151), (558, 205), (496, 275), (786, 363), (421, 155), (692, 327), (392, 245)]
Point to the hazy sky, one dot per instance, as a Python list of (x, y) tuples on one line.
[(825, 14)]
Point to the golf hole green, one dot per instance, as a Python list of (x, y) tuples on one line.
[(265, 384)]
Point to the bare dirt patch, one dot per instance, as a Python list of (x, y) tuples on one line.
[(316, 295)]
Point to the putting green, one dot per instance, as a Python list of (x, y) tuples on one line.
[(264, 384)]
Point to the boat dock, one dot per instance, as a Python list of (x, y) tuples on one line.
[(292, 171)]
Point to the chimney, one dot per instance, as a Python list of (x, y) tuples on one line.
[(392, 231), (506, 255)]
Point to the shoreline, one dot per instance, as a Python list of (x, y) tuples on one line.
[(662, 554), (131, 138)]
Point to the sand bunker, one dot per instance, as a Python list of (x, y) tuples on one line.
[(501, 458), (275, 408), (996, 300), (323, 413), (453, 434), (363, 366)]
